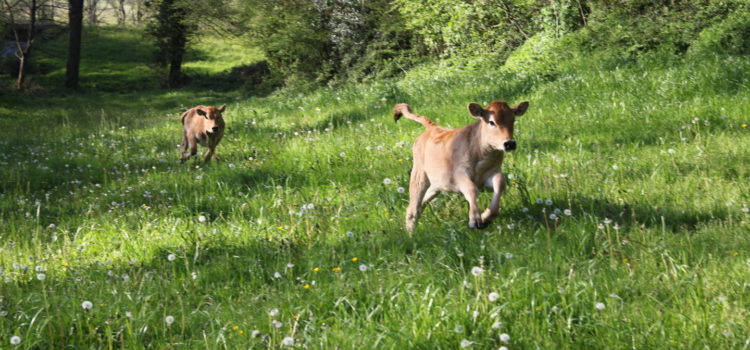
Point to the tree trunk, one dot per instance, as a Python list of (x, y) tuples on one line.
[(122, 15), (175, 66), (25, 55), (75, 20)]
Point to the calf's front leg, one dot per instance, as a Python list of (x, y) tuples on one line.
[(469, 190), (498, 186)]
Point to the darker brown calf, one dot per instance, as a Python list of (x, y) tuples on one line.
[(202, 125)]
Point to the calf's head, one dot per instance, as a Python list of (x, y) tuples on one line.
[(497, 123), (213, 120)]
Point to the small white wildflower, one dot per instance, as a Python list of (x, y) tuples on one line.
[(194, 275), (87, 305), (276, 275), (465, 343), (387, 181), (510, 226), (607, 221), (15, 340), (202, 218), (509, 255), (255, 333), (502, 348), (288, 341), (504, 337), (671, 151), (171, 257), (342, 154), (600, 226), (273, 312), (276, 324), (169, 320), (497, 325), (477, 271), (363, 267), (128, 314), (493, 296), (615, 167), (289, 265), (599, 306)]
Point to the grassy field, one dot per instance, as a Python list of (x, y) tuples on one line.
[(296, 237)]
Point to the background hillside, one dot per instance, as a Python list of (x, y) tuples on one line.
[(626, 224)]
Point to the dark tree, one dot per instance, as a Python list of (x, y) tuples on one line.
[(75, 18), (171, 30)]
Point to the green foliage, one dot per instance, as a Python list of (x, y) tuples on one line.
[(730, 36)]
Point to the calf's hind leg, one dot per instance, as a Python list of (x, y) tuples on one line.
[(418, 185), (192, 145)]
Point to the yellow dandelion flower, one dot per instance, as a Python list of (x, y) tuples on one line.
[(296, 317), (354, 259), (234, 328), (65, 264), (242, 332), (280, 227), (306, 286), (316, 269), (336, 269), (625, 260), (735, 253), (744, 126)]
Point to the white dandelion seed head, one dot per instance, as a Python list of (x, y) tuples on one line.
[(87, 305), (128, 314), (458, 329), (276, 324), (363, 267), (548, 202), (599, 306), (288, 341), (290, 265), (607, 221), (350, 234), (552, 217), (671, 151), (465, 343), (273, 312), (401, 190), (387, 181), (568, 212), (525, 210), (342, 154), (202, 218), (15, 340), (477, 271), (171, 257), (194, 275), (509, 255), (493, 296), (255, 333), (504, 337), (3, 313), (539, 201), (276, 275), (497, 325), (557, 211), (502, 348), (615, 167), (169, 320), (41, 276)]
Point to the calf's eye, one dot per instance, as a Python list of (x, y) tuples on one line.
[(491, 123)]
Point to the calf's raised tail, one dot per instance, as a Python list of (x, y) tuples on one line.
[(402, 109)]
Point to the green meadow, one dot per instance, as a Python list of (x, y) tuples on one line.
[(626, 223)]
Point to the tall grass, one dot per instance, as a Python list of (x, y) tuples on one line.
[(296, 234)]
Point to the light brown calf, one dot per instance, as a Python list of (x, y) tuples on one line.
[(460, 160), (204, 125)]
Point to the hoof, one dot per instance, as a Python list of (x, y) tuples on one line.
[(477, 224)]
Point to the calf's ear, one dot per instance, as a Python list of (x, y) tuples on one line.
[(201, 112), (476, 110), (520, 108), (222, 108)]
